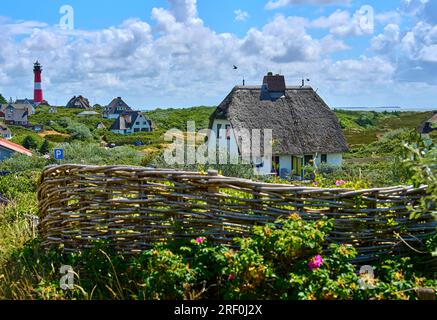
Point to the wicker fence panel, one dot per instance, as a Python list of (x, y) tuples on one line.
[(136, 207)]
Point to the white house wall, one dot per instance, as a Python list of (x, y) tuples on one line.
[(222, 142), (285, 161), (144, 124), (335, 159)]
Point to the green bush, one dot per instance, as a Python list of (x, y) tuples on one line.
[(30, 142), (13, 185), (77, 131), (94, 154), (3, 100), (45, 147), (285, 260), (21, 162)]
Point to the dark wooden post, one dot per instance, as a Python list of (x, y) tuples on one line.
[(426, 294)]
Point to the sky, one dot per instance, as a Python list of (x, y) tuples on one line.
[(179, 53)]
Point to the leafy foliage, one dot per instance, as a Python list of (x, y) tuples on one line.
[(94, 154), (20, 162), (45, 147), (2, 99), (30, 142), (77, 131), (274, 264)]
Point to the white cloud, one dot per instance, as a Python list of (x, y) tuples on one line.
[(285, 40), (388, 17), (413, 50), (184, 11), (274, 4), (19, 27), (177, 61), (341, 23), (241, 15), (385, 42), (412, 7)]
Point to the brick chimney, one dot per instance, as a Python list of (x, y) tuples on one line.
[(274, 83)]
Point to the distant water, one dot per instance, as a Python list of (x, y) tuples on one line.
[(382, 109)]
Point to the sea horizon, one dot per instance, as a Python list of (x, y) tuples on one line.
[(392, 109)]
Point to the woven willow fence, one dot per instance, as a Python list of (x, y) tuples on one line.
[(136, 207)]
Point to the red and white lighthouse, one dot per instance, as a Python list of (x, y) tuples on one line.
[(37, 94)]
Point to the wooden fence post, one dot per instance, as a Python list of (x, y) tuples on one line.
[(214, 190), (426, 294)]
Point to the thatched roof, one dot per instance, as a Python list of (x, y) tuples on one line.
[(79, 102), (117, 106), (301, 121), (428, 125)]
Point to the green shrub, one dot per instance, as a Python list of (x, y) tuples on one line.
[(77, 131), (30, 142), (13, 185), (285, 260), (94, 154), (20, 162), (45, 147)]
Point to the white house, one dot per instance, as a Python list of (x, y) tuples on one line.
[(131, 122), (304, 129)]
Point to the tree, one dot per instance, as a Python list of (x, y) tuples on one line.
[(2, 99), (30, 142), (45, 147)]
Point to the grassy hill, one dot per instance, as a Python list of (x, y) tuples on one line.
[(364, 127), (165, 119)]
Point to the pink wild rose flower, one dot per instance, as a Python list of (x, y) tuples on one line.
[(316, 262), (200, 240), (339, 183)]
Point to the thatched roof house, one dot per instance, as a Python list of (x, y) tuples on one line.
[(429, 125), (79, 102), (304, 128), (115, 108)]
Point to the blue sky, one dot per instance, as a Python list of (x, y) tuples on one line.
[(175, 53)]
